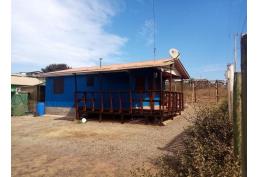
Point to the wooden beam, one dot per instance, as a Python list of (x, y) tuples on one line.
[(161, 88), (122, 118), (101, 98), (244, 104), (100, 117), (93, 101), (170, 78), (120, 103), (75, 98), (182, 95), (161, 97), (101, 102), (76, 107), (151, 103), (130, 93), (193, 92), (237, 114), (217, 91), (35, 101), (170, 88), (84, 101), (141, 102), (75, 82), (110, 102), (131, 101)]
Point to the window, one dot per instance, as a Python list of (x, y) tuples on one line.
[(90, 81), (58, 85), (140, 84)]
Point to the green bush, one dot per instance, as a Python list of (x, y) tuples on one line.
[(207, 148)]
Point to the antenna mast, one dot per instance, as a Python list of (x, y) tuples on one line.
[(154, 31)]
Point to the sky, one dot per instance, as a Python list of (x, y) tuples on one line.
[(80, 32)]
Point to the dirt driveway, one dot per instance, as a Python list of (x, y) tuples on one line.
[(52, 147)]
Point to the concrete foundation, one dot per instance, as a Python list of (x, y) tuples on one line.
[(62, 111)]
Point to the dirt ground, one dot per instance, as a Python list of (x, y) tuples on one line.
[(53, 147)]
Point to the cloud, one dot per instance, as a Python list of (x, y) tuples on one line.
[(147, 32), (68, 31)]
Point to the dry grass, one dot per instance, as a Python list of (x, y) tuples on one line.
[(206, 148), (53, 147)]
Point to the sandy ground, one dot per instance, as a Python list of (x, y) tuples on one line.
[(52, 147)]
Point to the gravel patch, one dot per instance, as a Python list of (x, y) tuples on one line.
[(52, 147)]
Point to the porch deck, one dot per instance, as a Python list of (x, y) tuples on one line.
[(152, 103)]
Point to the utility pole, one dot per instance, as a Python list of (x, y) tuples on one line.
[(244, 104), (235, 50)]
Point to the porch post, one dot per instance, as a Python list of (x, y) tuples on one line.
[(170, 89), (182, 94), (101, 98), (75, 97), (130, 94), (161, 85), (170, 79), (153, 88), (161, 96), (75, 82)]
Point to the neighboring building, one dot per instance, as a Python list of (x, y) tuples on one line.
[(26, 92), (134, 89), (28, 74)]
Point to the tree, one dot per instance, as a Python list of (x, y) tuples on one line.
[(55, 67)]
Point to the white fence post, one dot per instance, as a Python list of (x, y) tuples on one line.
[(230, 86)]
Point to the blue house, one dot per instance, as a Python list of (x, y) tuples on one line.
[(133, 89)]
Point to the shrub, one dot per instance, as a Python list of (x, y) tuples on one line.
[(207, 148)]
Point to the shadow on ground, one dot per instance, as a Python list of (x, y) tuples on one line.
[(117, 119), (176, 144)]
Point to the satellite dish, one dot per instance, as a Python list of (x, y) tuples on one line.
[(174, 53)]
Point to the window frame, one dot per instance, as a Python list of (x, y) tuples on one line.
[(58, 85)]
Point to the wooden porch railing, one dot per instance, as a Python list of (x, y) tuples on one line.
[(130, 102)]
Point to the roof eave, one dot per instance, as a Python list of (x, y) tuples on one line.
[(65, 73), (185, 73)]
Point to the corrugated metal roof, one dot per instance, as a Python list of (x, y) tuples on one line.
[(121, 67), (26, 81)]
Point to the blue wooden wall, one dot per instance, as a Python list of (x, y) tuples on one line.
[(116, 81)]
